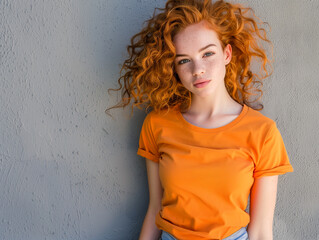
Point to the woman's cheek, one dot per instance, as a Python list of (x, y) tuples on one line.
[(180, 71), (185, 69)]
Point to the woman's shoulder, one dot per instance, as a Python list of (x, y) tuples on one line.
[(258, 120), (164, 113), (162, 116)]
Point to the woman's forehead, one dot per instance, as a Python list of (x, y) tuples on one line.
[(196, 35)]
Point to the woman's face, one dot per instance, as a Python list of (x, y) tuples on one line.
[(200, 60)]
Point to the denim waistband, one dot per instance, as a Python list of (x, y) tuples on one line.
[(241, 234)]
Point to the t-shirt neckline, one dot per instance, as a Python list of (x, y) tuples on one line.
[(227, 126)]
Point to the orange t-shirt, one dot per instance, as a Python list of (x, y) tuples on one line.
[(207, 174)]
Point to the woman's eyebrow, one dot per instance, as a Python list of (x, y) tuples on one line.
[(202, 49), (209, 45)]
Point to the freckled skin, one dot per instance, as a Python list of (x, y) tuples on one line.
[(198, 63)]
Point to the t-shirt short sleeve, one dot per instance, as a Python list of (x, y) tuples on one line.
[(273, 158), (147, 143)]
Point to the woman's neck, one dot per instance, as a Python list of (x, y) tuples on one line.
[(217, 104)]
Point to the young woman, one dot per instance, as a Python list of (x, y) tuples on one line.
[(206, 148)]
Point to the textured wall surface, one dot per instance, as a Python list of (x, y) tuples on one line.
[(68, 171)]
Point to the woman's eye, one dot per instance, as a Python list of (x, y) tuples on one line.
[(208, 54), (183, 61)]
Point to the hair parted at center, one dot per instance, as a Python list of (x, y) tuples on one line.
[(148, 78)]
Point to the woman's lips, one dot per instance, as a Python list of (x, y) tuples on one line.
[(201, 84)]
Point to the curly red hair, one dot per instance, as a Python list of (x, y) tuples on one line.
[(148, 75)]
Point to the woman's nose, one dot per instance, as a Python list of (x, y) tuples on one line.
[(198, 68)]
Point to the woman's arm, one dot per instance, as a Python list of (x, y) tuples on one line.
[(149, 229), (262, 208)]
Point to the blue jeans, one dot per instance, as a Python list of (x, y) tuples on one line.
[(241, 234)]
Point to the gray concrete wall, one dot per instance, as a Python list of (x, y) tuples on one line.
[(68, 171)]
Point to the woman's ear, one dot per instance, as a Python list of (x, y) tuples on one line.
[(227, 54)]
